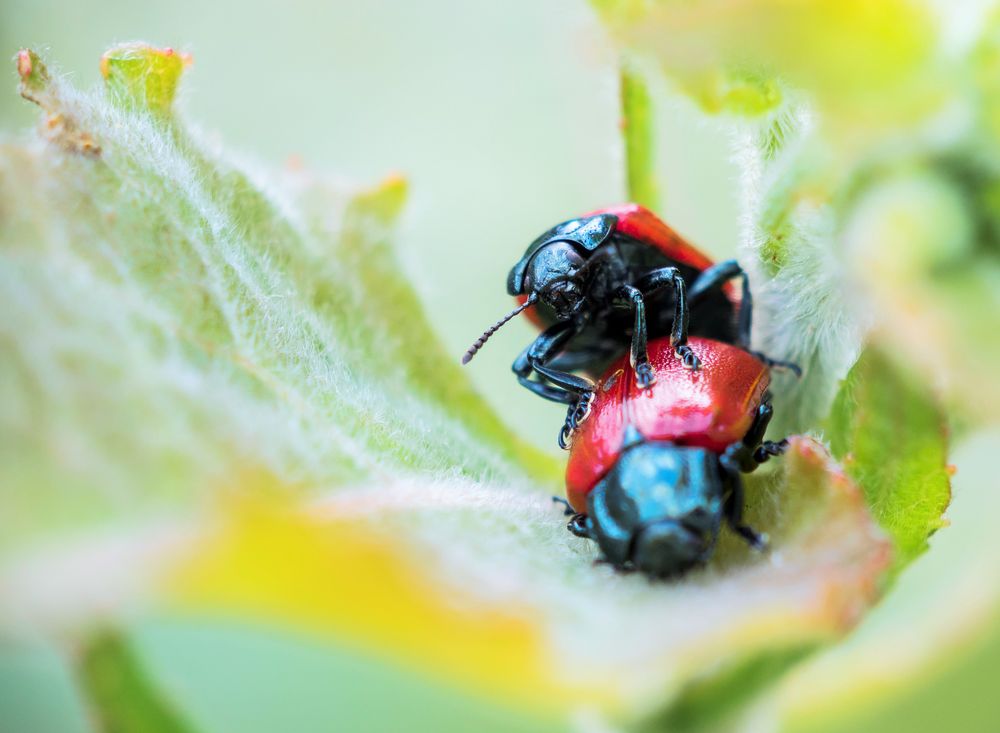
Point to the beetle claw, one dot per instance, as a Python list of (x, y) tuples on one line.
[(575, 416), (782, 366), (578, 526), (565, 437), (568, 510), (686, 355), (644, 376), (757, 540), (770, 448)]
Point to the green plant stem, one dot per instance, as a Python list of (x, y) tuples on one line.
[(637, 131), (122, 697)]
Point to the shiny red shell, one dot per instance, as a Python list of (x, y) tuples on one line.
[(641, 224), (708, 408)]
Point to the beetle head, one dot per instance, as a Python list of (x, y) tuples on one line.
[(659, 509), (554, 274), (552, 270), (584, 235)]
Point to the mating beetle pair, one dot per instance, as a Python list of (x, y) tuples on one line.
[(655, 468)]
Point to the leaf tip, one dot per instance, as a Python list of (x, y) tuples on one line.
[(32, 73), (24, 63), (395, 184), (385, 200), (59, 122), (143, 77)]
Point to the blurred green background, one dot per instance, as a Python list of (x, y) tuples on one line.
[(504, 118)]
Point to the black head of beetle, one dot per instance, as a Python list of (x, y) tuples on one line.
[(551, 270)]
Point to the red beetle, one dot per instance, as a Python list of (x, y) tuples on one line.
[(653, 472), (600, 282)]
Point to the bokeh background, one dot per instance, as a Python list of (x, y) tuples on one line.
[(505, 119)]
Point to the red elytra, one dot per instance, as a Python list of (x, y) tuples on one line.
[(708, 408), (639, 223), (643, 225)]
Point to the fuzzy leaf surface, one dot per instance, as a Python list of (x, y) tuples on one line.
[(891, 434)]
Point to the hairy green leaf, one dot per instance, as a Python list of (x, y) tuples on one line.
[(170, 321), (929, 642), (891, 434)]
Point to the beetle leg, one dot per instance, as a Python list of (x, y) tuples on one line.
[(770, 448), (755, 435), (580, 411), (790, 366), (738, 458), (659, 279), (568, 509), (575, 415), (714, 277), (580, 526), (565, 435), (578, 386), (631, 298), (734, 502), (549, 343), (761, 450), (555, 385), (547, 392)]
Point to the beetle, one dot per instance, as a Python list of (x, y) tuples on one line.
[(655, 471), (609, 280)]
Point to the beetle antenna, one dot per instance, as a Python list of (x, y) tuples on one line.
[(467, 357)]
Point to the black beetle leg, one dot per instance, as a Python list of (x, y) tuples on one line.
[(548, 343), (755, 435), (567, 507), (630, 297), (580, 411), (579, 525), (714, 277), (790, 366), (770, 448), (565, 434), (569, 382), (576, 414), (731, 460), (761, 450), (662, 278), (738, 458)]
